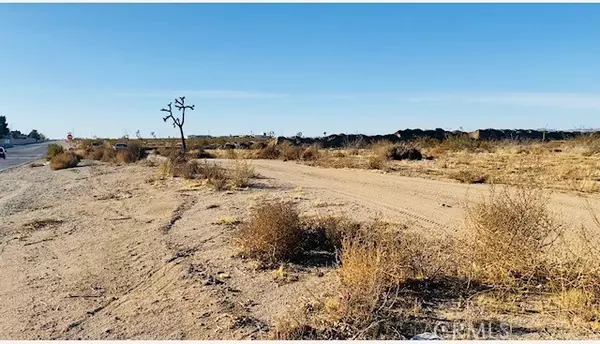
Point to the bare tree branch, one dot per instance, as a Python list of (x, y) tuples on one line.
[(180, 105)]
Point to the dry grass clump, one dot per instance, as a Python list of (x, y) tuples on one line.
[(54, 150), (64, 160), (272, 234), (470, 176), (512, 230)]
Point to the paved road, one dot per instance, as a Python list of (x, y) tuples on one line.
[(21, 154)]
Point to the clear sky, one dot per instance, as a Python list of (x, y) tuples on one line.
[(107, 69)]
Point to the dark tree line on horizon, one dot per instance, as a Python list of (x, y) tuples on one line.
[(6, 133)]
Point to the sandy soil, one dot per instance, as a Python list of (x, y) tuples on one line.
[(100, 251)]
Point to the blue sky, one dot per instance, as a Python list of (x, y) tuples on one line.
[(107, 69)]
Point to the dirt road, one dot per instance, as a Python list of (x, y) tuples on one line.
[(430, 204)]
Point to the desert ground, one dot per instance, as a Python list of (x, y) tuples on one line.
[(119, 251)]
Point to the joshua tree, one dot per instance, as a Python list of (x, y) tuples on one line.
[(138, 135), (177, 122), (153, 135)]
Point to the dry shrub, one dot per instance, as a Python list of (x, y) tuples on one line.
[(166, 169), (271, 151), (462, 142), (200, 154), (54, 150), (95, 154), (81, 153), (216, 176), (85, 144), (230, 154), (135, 152), (591, 145), (383, 259), (64, 160), (291, 152), (272, 234), (379, 266), (376, 163), (327, 232), (574, 282), (122, 157), (167, 151), (400, 151), (108, 154), (512, 230), (311, 153), (471, 176), (185, 169), (338, 154), (241, 173), (258, 145)]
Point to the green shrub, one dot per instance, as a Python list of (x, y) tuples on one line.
[(54, 150)]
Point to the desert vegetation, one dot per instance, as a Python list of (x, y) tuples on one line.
[(501, 256), (514, 254)]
